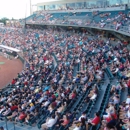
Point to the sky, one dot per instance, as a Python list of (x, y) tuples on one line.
[(16, 8)]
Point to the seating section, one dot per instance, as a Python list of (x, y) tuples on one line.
[(67, 77), (117, 20)]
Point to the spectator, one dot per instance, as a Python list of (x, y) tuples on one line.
[(49, 122), (95, 121)]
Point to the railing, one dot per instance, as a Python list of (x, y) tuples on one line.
[(78, 17), (122, 29)]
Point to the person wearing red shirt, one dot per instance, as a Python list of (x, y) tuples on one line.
[(22, 116), (97, 67), (112, 123), (53, 97), (53, 104), (93, 122), (114, 116), (121, 67), (73, 95), (13, 107), (25, 83), (67, 91), (128, 84), (63, 122), (44, 58), (108, 119), (13, 81), (96, 119)]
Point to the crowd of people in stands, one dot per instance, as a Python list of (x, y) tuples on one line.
[(60, 67), (109, 18)]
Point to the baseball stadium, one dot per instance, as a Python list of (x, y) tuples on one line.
[(66, 66)]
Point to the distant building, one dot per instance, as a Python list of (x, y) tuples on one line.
[(1, 24), (74, 4), (13, 23)]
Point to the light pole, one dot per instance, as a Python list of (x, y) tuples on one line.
[(30, 7)]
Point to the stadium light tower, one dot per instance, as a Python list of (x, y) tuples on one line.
[(30, 7)]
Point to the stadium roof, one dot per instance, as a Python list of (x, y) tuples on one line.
[(61, 2)]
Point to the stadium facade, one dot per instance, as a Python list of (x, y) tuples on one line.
[(64, 4)]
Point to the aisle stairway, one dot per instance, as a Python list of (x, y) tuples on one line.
[(100, 96)]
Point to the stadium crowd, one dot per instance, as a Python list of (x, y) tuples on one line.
[(116, 19), (61, 69)]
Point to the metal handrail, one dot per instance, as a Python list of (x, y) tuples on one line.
[(122, 29)]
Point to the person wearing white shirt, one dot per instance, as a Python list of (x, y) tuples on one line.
[(118, 25), (49, 122), (2, 109), (128, 99), (76, 125), (41, 99), (82, 116), (83, 79), (94, 96), (3, 98), (6, 112), (46, 103), (78, 60), (128, 113), (116, 70), (77, 128)]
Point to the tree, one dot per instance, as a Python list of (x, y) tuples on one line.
[(3, 20)]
